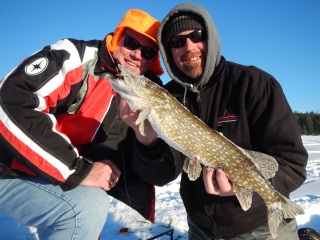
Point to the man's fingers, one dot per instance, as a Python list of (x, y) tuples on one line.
[(223, 181), (209, 181), (216, 182)]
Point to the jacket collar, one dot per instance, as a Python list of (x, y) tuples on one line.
[(105, 63)]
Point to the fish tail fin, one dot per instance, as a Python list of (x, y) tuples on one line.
[(277, 211)]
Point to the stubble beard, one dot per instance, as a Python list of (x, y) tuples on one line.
[(193, 70)]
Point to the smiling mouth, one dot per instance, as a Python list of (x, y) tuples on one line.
[(191, 57), (131, 64)]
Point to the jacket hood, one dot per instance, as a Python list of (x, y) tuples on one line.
[(213, 41), (142, 23)]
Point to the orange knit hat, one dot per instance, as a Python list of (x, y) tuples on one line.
[(140, 22)]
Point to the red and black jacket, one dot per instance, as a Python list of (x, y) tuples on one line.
[(59, 114)]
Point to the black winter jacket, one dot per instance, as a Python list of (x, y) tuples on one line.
[(248, 106)]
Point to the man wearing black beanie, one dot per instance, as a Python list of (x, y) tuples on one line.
[(244, 103)]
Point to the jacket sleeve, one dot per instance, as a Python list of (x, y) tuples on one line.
[(274, 131), (31, 97), (156, 164)]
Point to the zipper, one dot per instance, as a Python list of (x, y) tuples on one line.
[(198, 97), (199, 104)]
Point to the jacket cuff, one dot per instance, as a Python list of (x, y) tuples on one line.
[(77, 177)]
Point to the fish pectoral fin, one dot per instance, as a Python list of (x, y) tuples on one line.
[(267, 165), (244, 196), (141, 121), (143, 115), (142, 128), (192, 167)]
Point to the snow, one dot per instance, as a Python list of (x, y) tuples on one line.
[(170, 213)]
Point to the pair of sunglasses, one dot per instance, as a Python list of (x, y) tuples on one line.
[(195, 37), (132, 44)]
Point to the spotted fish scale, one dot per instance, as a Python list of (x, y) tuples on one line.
[(248, 170)]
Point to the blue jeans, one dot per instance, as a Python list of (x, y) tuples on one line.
[(285, 231), (76, 214)]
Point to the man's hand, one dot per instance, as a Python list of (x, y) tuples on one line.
[(216, 182), (130, 117), (104, 174)]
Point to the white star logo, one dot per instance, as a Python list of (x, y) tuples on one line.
[(37, 66)]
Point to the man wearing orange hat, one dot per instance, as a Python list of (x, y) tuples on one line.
[(62, 142)]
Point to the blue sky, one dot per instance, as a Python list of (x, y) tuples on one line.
[(280, 37)]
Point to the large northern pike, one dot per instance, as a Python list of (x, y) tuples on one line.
[(248, 170)]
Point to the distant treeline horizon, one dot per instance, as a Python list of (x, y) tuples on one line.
[(309, 123)]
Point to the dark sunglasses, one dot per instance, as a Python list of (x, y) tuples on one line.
[(132, 44), (195, 37)]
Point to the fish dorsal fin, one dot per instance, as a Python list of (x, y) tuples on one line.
[(267, 165)]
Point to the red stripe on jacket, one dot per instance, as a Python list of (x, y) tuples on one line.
[(82, 126), (31, 155)]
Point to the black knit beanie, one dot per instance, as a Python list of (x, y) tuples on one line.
[(181, 22)]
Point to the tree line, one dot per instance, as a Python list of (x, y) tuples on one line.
[(309, 123)]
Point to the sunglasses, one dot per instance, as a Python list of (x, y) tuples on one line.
[(195, 37), (132, 44)]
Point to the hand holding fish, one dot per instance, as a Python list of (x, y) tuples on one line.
[(130, 117), (216, 182)]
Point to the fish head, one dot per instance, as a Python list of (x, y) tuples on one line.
[(138, 91)]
